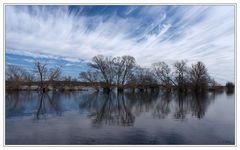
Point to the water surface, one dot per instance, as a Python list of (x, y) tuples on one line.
[(85, 117)]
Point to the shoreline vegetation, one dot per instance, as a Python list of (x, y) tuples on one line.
[(116, 73)]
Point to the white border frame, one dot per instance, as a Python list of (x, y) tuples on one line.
[(84, 3)]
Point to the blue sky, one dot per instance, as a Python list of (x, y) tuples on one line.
[(70, 36)]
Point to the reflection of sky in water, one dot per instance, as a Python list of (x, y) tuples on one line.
[(84, 117)]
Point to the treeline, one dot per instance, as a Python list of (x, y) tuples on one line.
[(44, 76), (121, 73)]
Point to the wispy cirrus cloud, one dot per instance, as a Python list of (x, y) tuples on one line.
[(149, 33)]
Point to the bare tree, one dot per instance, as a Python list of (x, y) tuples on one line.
[(28, 77), (199, 76), (41, 70), (105, 66), (119, 64), (46, 76), (163, 73), (129, 64), (181, 74), (122, 69), (143, 78), (15, 73), (53, 75), (138, 77)]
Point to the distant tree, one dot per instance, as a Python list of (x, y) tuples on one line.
[(89, 76), (199, 76), (69, 82), (17, 75), (212, 83), (230, 87), (28, 77), (67, 78)]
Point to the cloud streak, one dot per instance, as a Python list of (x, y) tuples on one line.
[(149, 33)]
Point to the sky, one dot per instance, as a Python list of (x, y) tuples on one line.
[(69, 36)]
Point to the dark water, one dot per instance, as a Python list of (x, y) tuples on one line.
[(96, 118)]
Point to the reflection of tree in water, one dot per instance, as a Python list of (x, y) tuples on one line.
[(141, 102), (41, 110), (90, 101), (48, 102), (182, 106), (122, 108), (16, 102), (162, 108), (193, 103), (12, 100), (118, 108), (199, 104), (109, 109)]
